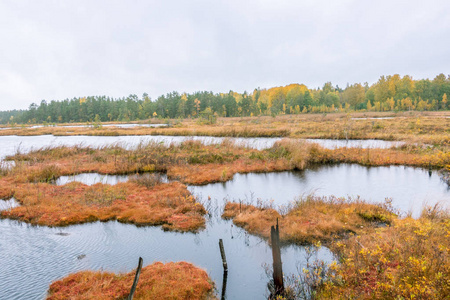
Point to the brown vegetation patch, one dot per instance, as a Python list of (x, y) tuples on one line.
[(157, 281), (301, 154), (311, 219), (204, 174), (46, 204)]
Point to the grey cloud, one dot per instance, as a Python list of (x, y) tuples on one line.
[(63, 49)]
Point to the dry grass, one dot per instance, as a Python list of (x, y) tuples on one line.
[(157, 281), (191, 162), (301, 154), (311, 219), (408, 260), (423, 127)]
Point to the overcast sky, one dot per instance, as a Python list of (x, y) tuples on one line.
[(55, 50)]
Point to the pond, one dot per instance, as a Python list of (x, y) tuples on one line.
[(33, 257), (11, 144)]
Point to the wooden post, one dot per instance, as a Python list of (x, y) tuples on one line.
[(276, 254), (136, 279), (225, 269), (224, 285), (222, 253)]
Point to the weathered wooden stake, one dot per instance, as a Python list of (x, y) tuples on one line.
[(224, 285), (136, 279), (276, 254), (225, 269), (222, 253)]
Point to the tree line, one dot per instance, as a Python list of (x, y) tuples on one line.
[(389, 93)]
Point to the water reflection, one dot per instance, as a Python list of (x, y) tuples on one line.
[(410, 188)]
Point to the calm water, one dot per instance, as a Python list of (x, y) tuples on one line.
[(410, 188), (92, 178), (10, 144)]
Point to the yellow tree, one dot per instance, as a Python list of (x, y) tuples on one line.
[(197, 105)]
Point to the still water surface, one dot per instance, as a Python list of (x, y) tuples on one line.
[(409, 188)]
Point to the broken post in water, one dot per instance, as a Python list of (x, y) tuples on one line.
[(136, 278), (276, 254), (222, 253), (225, 269)]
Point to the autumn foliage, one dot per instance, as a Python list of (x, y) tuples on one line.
[(408, 260)]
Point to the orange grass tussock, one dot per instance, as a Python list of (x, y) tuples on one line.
[(311, 219), (208, 173), (158, 281), (169, 205)]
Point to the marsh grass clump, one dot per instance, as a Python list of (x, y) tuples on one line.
[(148, 180), (179, 280), (46, 173), (5, 168), (311, 218), (103, 195)]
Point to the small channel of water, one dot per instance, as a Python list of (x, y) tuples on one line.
[(11, 144)]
